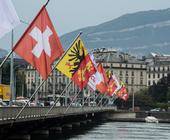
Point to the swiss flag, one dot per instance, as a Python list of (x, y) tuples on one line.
[(102, 84), (40, 46)]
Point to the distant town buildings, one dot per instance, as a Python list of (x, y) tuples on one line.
[(136, 73), (126, 67), (158, 66)]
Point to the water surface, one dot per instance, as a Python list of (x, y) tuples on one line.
[(126, 131)]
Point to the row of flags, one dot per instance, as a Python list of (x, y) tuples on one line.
[(40, 46)]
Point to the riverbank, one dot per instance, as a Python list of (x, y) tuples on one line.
[(126, 116)]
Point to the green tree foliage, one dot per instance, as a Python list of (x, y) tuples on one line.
[(160, 92)]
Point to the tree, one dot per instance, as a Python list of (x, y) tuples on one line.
[(159, 91)]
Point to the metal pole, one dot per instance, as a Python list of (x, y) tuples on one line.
[(133, 102), (54, 83), (8, 55), (102, 99), (11, 70), (36, 86), (0, 75), (57, 99), (113, 97), (29, 99), (43, 82), (22, 89), (66, 96), (72, 101), (94, 100)]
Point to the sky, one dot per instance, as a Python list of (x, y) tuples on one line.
[(69, 15)]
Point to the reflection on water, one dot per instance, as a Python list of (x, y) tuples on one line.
[(126, 131)]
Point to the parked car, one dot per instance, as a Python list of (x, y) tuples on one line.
[(20, 102), (156, 110), (2, 104)]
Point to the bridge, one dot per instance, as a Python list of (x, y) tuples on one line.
[(33, 119)]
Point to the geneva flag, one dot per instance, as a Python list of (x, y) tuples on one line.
[(77, 64)]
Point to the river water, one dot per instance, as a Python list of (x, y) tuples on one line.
[(126, 131)]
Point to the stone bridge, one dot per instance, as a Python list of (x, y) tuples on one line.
[(33, 120)]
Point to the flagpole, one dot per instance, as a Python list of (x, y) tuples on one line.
[(8, 55), (113, 97), (56, 66), (101, 99), (72, 101), (11, 70), (47, 3), (58, 99), (43, 83)]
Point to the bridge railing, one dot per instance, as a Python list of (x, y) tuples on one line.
[(9, 113)]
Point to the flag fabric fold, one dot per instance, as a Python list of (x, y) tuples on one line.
[(40, 46), (8, 17), (111, 83), (122, 93), (101, 83)]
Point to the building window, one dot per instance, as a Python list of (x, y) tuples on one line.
[(126, 80), (154, 75), (141, 66), (132, 81), (158, 68), (158, 75), (141, 73), (132, 66), (120, 65), (59, 80), (149, 76), (141, 81), (132, 73), (149, 69), (112, 65), (163, 75), (126, 73), (120, 73), (149, 82), (163, 69), (28, 74)]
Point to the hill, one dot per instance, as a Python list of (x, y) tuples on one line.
[(137, 33)]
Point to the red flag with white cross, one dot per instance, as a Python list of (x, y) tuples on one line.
[(40, 46)]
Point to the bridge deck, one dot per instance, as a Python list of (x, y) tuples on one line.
[(7, 114)]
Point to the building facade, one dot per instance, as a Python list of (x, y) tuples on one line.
[(127, 68), (158, 66), (136, 73)]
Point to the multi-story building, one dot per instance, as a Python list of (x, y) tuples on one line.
[(136, 73), (55, 83), (127, 68), (158, 66)]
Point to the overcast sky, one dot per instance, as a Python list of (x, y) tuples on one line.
[(69, 15)]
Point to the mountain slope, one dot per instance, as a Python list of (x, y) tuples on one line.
[(137, 33)]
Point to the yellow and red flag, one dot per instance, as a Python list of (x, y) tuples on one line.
[(77, 64), (111, 84), (123, 93)]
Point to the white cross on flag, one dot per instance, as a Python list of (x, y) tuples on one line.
[(8, 17), (40, 46)]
